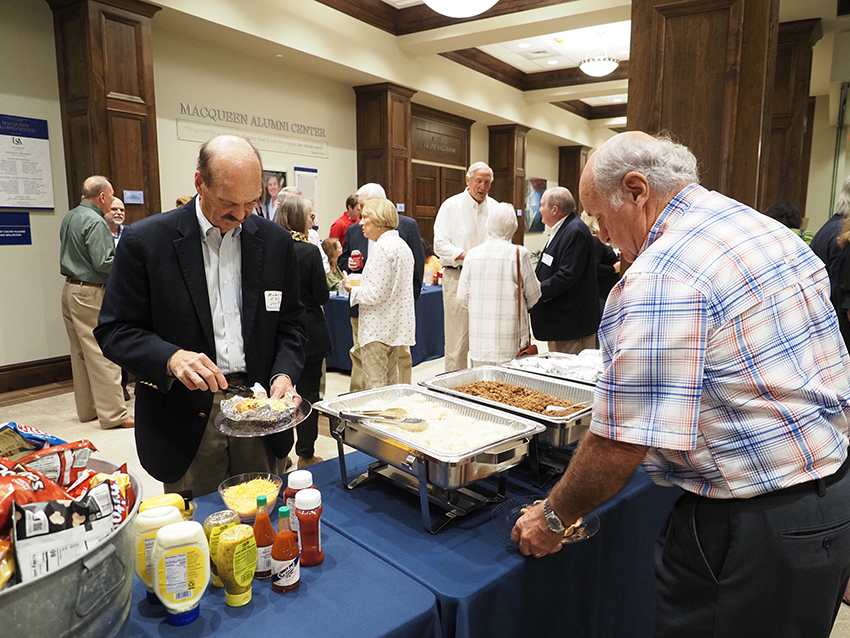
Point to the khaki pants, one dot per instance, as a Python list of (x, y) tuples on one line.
[(220, 457), (573, 346), (456, 323), (405, 361), (380, 365), (97, 381)]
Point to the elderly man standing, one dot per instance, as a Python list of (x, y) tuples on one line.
[(203, 297), (567, 315), (115, 219), (460, 226), (725, 374), (85, 258)]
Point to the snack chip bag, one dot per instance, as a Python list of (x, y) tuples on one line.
[(17, 439), (21, 484), (61, 463)]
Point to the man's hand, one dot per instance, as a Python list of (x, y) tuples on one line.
[(281, 385), (533, 536), (352, 264), (196, 371), (346, 283), (461, 256)]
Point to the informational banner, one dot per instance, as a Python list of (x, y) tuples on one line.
[(200, 132), (307, 180), (15, 229), (25, 176)]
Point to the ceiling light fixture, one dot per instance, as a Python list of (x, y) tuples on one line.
[(524, 45), (460, 8), (598, 62), (551, 62)]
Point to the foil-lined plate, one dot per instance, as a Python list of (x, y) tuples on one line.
[(252, 427), (507, 513)]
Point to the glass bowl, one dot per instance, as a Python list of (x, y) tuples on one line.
[(241, 498)]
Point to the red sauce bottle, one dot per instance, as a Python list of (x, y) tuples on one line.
[(286, 570), (264, 535), (295, 482), (308, 509)]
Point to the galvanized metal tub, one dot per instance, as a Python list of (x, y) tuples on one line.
[(89, 598), (447, 470), (560, 431)]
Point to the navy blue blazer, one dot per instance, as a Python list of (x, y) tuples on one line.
[(408, 230), (156, 303), (569, 303)]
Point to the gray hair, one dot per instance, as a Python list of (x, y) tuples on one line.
[(479, 166), (562, 198), (291, 190), (667, 165), (501, 221), (372, 191), (94, 186), (842, 205), (293, 213)]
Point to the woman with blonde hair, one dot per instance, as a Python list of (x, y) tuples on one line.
[(385, 296)]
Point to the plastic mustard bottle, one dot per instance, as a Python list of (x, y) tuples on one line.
[(147, 524), (264, 534), (236, 559), (181, 568), (296, 481), (286, 570), (214, 525), (308, 509)]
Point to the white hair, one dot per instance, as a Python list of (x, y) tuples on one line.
[(479, 166), (291, 190), (372, 191), (842, 205), (501, 221), (667, 165)]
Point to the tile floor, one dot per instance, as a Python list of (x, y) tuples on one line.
[(51, 408)]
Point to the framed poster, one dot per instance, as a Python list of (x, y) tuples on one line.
[(307, 179), (534, 189), (273, 181), (26, 179)]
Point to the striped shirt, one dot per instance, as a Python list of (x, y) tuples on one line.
[(723, 354)]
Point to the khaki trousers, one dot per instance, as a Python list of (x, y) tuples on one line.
[(405, 361), (573, 346), (456, 323), (380, 364), (97, 381)]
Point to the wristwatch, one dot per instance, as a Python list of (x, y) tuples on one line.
[(553, 522)]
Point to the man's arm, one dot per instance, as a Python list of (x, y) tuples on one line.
[(100, 245), (448, 253), (599, 469)]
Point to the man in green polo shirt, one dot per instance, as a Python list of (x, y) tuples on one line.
[(85, 259)]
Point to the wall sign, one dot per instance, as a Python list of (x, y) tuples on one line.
[(15, 229), (200, 132), (26, 180)]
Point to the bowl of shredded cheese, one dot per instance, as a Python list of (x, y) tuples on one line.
[(240, 492)]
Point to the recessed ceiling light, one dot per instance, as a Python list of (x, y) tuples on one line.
[(551, 62), (618, 99), (524, 45), (278, 55)]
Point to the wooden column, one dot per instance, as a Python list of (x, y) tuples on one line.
[(788, 162), (507, 159), (571, 161), (384, 139), (103, 53), (703, 70)]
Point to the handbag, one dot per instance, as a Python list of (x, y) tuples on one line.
[(529, 348)]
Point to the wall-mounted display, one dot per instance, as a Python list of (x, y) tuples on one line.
[(26, 180), (534, 189)]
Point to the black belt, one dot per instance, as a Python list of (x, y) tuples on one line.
[(816, 485), (71, 280), (454, 267), (236, 378)]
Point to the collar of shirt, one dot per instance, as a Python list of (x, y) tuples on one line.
[(554, 229), (676, 207), (478, 208)]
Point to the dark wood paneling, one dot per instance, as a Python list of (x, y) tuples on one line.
[(34, 373), (432, 185), (439, 137), (571, 76), (588, 112), (807, 155), (843, 7), (571, 162), (478, 60), (507, 159)]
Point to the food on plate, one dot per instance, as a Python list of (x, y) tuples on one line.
[(520, 397), (258, 407)]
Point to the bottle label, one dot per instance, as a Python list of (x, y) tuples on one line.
[(244, 561), (215, 532), (181, 572), (264, 558), (143, 556), (293, 519), (286, 572)]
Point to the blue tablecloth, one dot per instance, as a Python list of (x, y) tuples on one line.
[(484, 587), (352, 593), (430, 334)]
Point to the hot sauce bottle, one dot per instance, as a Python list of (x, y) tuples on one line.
[(264, 535), (286, 570), (308, 509), (295, 482)]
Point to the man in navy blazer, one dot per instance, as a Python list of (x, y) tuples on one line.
[(567, 315), (172, 316), (408, 230)]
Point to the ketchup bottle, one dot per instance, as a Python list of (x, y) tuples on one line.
[(296, 481), (308, 509), (286, 570), (264, 535)]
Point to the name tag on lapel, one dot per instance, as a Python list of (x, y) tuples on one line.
[(547, 259), (273, 298)]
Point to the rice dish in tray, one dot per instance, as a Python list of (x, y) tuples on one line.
[(448, 431), (585, 366)]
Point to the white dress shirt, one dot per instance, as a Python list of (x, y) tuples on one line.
[(223, 268), (460, 225), (385, 294), (488, 287), (553, 230), (314, 238)]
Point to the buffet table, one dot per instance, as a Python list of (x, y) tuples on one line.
[(484, 587), (430, 339), (352, 593)]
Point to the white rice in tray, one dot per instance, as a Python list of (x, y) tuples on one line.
[(448, 431)]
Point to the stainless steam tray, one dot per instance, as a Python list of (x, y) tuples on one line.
[(560, 430)]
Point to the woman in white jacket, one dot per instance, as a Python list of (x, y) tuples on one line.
[(387, 317)]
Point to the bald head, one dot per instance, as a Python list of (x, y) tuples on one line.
[(229, 148), (98, 191)]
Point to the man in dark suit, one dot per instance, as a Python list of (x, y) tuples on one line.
[(408, 230), (202, 297), (567, 315)]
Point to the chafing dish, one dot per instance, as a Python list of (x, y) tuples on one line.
[(546, 371)]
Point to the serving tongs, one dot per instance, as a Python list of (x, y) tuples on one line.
[(390, 416)]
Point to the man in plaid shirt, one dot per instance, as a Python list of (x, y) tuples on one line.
[(725, 375)]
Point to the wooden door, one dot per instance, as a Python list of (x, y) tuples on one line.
[(432, 185)]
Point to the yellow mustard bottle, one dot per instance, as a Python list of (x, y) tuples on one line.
[(236, 559), (186, 507), (148, 524), (214, 525), (181, 568)]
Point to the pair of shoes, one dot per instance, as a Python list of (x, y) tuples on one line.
[(126, 395), (302, 462), (129, 423)]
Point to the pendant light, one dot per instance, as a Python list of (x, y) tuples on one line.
[(460, 8), (598, 62)]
